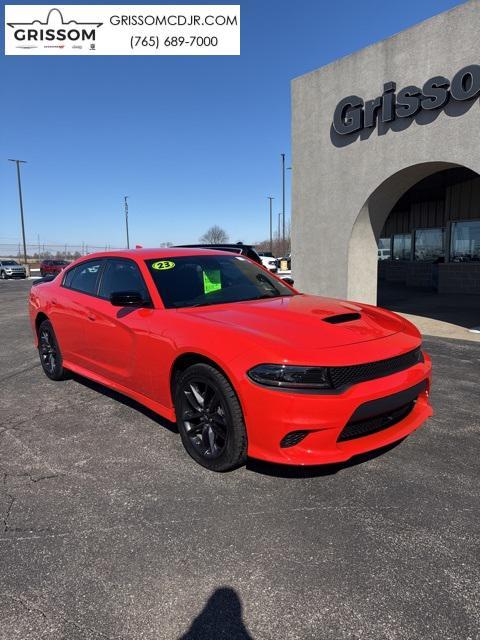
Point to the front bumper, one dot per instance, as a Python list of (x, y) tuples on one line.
[(272, 414), (16, 274)]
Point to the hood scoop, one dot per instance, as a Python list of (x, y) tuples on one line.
[(342, 317)]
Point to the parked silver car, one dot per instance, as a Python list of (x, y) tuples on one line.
[(11, 269)]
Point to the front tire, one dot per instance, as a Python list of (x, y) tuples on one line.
[(3, 275), (210, 419), (49, 352)]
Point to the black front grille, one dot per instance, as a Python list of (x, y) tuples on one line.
[(366, 427), (346, 376), (293, 438)]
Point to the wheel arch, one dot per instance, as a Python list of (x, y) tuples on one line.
[(189, 358), (39, 319)]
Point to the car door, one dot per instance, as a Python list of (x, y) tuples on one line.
[(70, 308), (118, 335)]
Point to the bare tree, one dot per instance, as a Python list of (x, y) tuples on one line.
[(278, 248), (215, 235)]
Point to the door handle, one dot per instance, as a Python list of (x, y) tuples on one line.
[(91, 317)]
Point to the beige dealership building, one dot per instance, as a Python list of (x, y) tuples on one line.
[(386, 163)]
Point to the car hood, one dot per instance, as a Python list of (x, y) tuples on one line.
[(300, 320)]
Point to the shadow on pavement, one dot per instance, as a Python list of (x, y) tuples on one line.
[(125, 400), (459, 309), (221, 618), (287, 471)]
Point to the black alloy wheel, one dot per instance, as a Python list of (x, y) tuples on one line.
[(49, 352), (210, 419)]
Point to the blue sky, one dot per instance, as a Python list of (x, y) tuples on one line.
[(193, 141)]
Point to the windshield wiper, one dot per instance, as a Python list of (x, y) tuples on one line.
[(264, 296), (207, 303)]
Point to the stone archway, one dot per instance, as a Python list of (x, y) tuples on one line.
[(362, 247)]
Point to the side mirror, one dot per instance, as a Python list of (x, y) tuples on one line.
[(127, 299), (289, 281)]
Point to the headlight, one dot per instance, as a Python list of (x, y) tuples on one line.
[(290, 376)]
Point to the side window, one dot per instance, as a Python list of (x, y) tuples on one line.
[(68, 277), (122, 275), (85, 277)]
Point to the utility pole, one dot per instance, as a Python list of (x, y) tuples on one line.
[(17, 162), (290, 229), (270, 198), (283, 203), (126, 221)]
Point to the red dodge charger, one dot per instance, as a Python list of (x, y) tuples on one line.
[(244, 363)]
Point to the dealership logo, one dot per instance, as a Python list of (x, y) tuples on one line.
[(55, 31), (354, 114)]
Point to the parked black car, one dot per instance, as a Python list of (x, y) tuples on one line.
[(247, 250)]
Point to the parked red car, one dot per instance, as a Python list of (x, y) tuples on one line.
[(52, 267), (245, 364)]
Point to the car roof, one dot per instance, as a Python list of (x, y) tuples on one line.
[(149, 254)]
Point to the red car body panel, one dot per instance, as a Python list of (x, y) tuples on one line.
[(135, 353)]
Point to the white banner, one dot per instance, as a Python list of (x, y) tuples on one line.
[(101, 30)]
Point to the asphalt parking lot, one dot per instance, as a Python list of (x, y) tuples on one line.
[(109, 530)]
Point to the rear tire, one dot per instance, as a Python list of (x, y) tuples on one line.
[(210, 419), (49, 352)]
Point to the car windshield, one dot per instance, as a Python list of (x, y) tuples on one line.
[(194, 281), (59, 262), (9, 263)]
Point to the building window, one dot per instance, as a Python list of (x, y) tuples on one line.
[(429, 244), (384, 249), (402, 246), (466, 241)]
